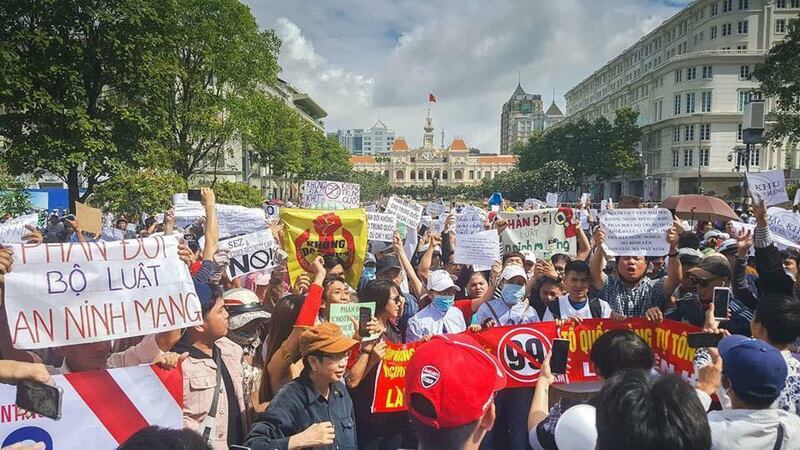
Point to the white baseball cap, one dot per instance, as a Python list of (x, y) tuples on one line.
[(513, 270), (576, 428), (440, 280), (529, 256)]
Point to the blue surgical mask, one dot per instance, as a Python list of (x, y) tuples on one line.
[(368, 273), (512, 293), (444, 302)]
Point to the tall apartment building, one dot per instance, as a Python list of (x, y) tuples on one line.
[(521, 115), (377, 140), (689, 80)]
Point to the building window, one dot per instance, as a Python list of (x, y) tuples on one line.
[(743, 26), (795, 4), (743, 4), (704, 156), (705, 101), (676, 158), (413, 175), (658, 109), (688, 157), (487, 174), (413, 159), (713, 10), (739, 132), (727, 5), (705, 132), (780, 4), (676, 133), (458, 175), (744, 72), (755, 156), (679, 75), (741, 47), (713, 32), (471, 174), (690, 103), (726, 29), (444, 174), (677, 109), (691, 73), (780, 26), (688, 133), (399, 175)]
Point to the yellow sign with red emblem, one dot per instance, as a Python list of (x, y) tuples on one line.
[(309, 233)]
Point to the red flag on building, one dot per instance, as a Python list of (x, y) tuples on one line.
[(431, 98)]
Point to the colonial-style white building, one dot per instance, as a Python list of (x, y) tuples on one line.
[(689, 79), (428, 164)]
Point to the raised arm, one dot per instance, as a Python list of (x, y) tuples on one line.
[(414, 283), (739, 285), (674, 270), (598, 262), (583, 244), (212, 226), (427, 257)]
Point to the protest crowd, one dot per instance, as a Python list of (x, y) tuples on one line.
[(341, 324)]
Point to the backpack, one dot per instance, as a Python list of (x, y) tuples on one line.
[(595, 308)]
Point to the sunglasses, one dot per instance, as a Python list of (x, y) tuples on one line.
[(695, 281)]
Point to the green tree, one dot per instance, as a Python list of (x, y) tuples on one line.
[(272, 132), (78, 80), (221, 63), (135, 192), (238, 194), (14, 203), (779, 75)]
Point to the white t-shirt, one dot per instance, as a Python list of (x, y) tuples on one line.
[(568, 310)]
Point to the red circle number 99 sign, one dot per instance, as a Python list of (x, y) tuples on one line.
[(521, 351)]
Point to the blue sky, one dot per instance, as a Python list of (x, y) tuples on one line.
[(364, 60)]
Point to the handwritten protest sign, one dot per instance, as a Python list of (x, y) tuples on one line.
[(781, 242), (480, 249), (90, 219), (784, 223), (73, 293), (435, 209), (233, 220), (250, 253), (636, 232), (381, 227), (341, 313), (330, 195), (12, 230), (469, 222), (545, 232), (769, 186), (404, 212), (521, 349)]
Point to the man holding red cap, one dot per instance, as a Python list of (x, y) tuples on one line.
[(451, 383)]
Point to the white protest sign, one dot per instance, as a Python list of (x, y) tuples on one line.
[(769, 186), (321, 194), (404, 212), (603, 205), (469, 223), (233, 219), (371, 207), (272, 211), (435, 209), (585, 197), (636, 232), (112, 234), (535, 203), (73, 293), (437, 226), (12, 230), (796, 197), (545, 232), (780, 241), (381, 226), (551, 199), (479, 249), (784, 223), (250, 253)]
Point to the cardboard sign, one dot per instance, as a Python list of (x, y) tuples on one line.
[(636, 232), (73, 293), (381, 227), (100, 409), (551, 199), (522, 348), (404, 212), (330, 195), (341, 313), (784, 223), (12, 230), (768, 186), (479, 249), (250, 253), (90, 219), (545, 232), (309, 233)]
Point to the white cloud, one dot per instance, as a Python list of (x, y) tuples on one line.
[(364, 60)]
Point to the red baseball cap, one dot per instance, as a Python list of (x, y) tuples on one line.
[(451, 381)]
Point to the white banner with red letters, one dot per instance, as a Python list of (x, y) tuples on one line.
[(100, 409), (72, 293)]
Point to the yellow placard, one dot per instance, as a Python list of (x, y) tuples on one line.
[(309, 233)]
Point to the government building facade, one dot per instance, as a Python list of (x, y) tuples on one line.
[(429, 164)]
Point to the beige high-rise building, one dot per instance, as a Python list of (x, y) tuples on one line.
[(523, 114)]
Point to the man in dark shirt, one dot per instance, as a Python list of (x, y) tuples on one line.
[(314, 410)]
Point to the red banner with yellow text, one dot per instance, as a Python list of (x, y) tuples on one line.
[(522, 348)]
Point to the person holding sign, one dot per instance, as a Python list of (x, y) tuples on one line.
[(629, 291), (439, 317), (314, 409)]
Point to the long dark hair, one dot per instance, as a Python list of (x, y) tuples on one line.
[(281, 324), (378, 291)]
